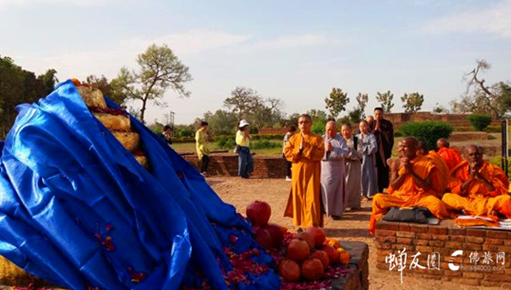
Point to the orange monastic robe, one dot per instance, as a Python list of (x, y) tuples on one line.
[(304, 203), (409, 194), (477, 199), (443, 171), (452, 157)]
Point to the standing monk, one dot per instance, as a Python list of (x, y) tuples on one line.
[(478, 187), (367, 148), (353, 168), (333, 186), (383, 130), (414, 186), (440, 164), (452, 157), (305, 151)]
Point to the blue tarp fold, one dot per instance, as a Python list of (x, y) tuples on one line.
[(78, 210)]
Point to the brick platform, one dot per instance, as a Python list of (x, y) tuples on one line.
[(439, 243), (226, 164), (358, 279)]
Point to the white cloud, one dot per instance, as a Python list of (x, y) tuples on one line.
[(493, 20), (290, 42), (199, 40), (112, 56), (107, 61)]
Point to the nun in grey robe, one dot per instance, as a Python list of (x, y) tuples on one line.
[(368, 150), (353, 169), (332, 176)]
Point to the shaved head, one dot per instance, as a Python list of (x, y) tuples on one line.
[(411, 141), (331, 129), (409, 147), (474, 153), (441, 143), (421, 147)]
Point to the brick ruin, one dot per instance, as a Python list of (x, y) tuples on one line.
[(459, 252)]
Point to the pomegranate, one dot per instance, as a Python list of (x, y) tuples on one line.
[(312, 269), (322, 256), (333, 255), (258, 212), (276, 234), (308, 238), (263, 237), (318, 234), (298, 250), (289, 270)]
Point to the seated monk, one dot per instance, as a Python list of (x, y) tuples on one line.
[(415, 185), (451, 156), (443, 170), (478, 187)]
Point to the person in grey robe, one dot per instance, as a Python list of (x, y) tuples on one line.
[(368, 149), (332, 172), (353, 168)]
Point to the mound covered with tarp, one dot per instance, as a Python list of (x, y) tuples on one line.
[(78, 209)]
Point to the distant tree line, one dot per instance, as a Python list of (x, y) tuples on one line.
[(19, 86), (159, 69)]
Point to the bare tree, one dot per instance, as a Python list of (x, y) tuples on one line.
[(482, 92)]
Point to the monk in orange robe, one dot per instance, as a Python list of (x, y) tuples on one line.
[(415, 185), (394, 163), (439, 162), (451, 156), (305, 151), (478, 187)]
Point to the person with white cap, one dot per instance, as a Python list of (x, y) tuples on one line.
[(245, 161)]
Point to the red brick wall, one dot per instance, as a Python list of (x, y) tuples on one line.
[(445, 239), (264, 131), (456, 120), (226, 164)]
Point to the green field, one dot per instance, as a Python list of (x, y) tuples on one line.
[(190, 148)]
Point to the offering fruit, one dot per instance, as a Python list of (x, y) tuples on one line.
[(259, 212)]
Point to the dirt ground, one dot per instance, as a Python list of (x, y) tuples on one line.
[(353, 226)]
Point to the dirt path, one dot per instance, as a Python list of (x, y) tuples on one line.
[(353, 226)]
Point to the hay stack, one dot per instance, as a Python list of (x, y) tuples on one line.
[(118, 124), (12, 275)]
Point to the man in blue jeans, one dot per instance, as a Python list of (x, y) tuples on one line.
[(245, 161)]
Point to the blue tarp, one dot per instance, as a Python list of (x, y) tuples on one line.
[(78, 210)]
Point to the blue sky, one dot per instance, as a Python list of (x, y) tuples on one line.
[(292, 50)]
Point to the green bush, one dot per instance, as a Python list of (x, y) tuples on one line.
[(185, 133), (479, 122), (428, 132), (497, 160), (226, 143), (264, 144), (318, 126)]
